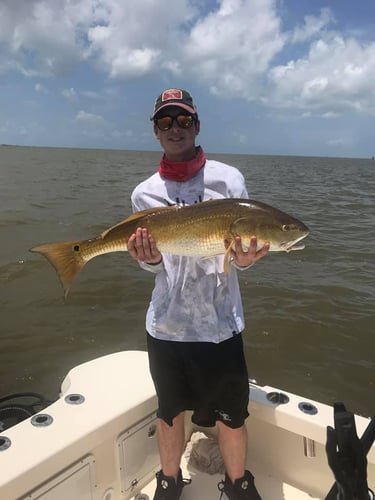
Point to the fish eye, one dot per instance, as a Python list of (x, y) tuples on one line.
[(288, 227), (76, 248)]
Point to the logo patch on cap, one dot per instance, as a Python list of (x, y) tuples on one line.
[(171, 94)]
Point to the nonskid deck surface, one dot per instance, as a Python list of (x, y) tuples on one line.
[(204, 487)]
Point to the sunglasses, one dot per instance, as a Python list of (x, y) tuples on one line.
[(183, 121)]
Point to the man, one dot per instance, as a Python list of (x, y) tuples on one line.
[(195, 318)]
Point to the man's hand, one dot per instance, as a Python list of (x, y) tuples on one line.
[(247, 258), (142, 246)]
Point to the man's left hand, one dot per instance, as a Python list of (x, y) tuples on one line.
[(246, 258)]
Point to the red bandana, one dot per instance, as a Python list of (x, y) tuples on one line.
[(181, 171)]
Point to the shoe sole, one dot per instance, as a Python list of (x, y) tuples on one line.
[(149, 498)]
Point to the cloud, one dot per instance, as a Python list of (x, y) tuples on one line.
[(90, 94), (232, 48), (336, 75), (40, 88), (41, 37), (13, 129), (90, 118), (330, 114), (339, 141), (128, 43), (313, 25), (70, 94), (238, 49)]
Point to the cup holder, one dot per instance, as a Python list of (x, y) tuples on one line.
[(308, 408), (278, 398)]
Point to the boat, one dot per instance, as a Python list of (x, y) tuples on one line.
[(97, 441)]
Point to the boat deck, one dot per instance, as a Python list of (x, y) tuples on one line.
[(204, 487)]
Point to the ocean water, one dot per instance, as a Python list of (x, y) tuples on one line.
[(310, 315)]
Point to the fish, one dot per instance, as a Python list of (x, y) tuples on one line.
[(205, 229)]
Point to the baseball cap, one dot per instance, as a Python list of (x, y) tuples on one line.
[(174, 97)]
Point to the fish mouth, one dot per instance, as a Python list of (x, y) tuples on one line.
[(296, 244)]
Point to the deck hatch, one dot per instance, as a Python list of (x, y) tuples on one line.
[(139, 455), (75, 482)]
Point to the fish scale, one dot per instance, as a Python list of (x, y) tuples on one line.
[(195, 237)]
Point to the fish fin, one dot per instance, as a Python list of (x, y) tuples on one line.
[(148, 211), (65, 259), (227, 257), (138, 216), (104, 233)]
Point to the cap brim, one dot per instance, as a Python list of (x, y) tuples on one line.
[(191, 110)]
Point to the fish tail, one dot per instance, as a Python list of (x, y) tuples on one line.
[(65, 258)]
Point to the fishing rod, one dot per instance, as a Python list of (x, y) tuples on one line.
[(346, 455)]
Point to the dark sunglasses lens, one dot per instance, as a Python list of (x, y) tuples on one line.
[(184, 121), (164, 123)]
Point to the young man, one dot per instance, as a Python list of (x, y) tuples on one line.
[(195, 318)]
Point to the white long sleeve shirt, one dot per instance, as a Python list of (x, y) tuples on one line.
[(193, 299)]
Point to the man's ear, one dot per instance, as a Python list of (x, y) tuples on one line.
[(156, 130), (197, 127)]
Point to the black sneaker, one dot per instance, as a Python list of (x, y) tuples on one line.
[(167, 488), (242, 488)]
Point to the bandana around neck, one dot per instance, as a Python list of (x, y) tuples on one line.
[(181, 171)]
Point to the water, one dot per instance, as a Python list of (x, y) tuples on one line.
[(309, 314)]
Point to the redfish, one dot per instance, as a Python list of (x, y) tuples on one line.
[(198, 230)]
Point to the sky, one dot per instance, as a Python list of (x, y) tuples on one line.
[(278, 77)]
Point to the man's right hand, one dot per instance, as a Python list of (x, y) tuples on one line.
[(142, 247)]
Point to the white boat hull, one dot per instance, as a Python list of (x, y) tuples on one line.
[(99, 442)]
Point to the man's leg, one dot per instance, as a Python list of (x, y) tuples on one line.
[(239, 482), (171, 441), (233, 447)]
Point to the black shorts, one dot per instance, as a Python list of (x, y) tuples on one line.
[(210, 379)]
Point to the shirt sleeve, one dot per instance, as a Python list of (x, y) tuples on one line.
[(240, 268), (152, 268)]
